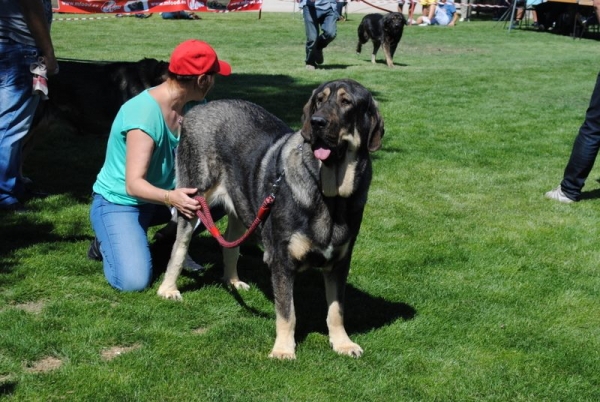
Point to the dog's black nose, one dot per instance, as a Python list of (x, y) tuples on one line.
[(318, 122)]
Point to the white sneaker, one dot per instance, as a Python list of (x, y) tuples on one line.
[(558, 195), (461, 20), (192, 266)]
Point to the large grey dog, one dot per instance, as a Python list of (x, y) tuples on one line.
[(234, 151)]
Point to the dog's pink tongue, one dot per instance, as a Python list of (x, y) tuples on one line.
[(322, 153)]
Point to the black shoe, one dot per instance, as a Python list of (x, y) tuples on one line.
[(30, 194), (16, 208), (94, 251)]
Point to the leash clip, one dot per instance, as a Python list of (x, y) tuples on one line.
[(276, 185)]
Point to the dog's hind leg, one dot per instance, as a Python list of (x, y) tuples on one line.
[(235, 229), (283, 292), (362, 38), (168, 288), (335, 284)]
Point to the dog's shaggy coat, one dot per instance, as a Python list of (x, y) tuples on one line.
[(234, 151), (381, 30)]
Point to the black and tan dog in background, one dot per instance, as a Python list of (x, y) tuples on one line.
[(383, 30), (87, 94), (234, 151)]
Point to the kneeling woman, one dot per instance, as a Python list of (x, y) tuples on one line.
[(136, 185)]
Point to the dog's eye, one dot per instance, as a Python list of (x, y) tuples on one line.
[(346, 102)]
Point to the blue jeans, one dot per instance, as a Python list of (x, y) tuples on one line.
[(585, 149), (313, 19), (17, 107), (122, 231)]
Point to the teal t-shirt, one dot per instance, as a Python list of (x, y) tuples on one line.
[(141, 112)]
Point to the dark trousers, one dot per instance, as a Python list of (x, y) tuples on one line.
[(585, 149)]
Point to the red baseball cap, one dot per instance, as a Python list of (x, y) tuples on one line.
[(194, 57)]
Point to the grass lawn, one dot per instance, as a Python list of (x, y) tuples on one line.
[(466, 284)]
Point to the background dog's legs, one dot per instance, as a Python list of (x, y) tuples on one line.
[(285, 323), (168, 288), (235, 229), (362, 38), (335, 285), (376, 45)]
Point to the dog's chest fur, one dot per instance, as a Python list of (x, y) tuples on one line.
[(318, 227)]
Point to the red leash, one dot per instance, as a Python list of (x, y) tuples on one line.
[(204, 216), (263, 212), (374, 6)]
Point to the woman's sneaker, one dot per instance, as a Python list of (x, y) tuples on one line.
[(94, 251), (192, 266)]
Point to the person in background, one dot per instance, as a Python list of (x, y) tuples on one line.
[(585, 148), (444, 14), (411, 9), (520, 12), (320, 24), (179, 15), (135, 188), (24, 40), (524, 7), (340, 10), (583, 154), (465, 10), (426, 7)]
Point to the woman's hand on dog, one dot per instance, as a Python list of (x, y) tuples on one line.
[(181, 198)]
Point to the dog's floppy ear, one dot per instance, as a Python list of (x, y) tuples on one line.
[(307, 111), (377, 130)]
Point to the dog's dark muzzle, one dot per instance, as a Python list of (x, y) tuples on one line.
[(318, 123), (325, 139)]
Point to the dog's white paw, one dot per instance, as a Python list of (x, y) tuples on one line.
[(349, 349), (237, 284), (282, 355), (170, 294)]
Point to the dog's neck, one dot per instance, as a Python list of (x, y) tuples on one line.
[(338, 180)]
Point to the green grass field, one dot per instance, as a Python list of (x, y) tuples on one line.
[(466, 284)]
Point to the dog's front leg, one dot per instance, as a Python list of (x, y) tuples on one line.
[(335, 286), (388, 55), (283, 292), (376, 45), (168, 288), (235, 229)]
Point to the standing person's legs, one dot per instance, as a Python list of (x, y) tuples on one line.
[(311, 29), (585, 149), (122, 233), (16, 115), (328, 19), (465, 10), (411, 11)]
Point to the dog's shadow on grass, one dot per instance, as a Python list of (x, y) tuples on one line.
[(363, 312)]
